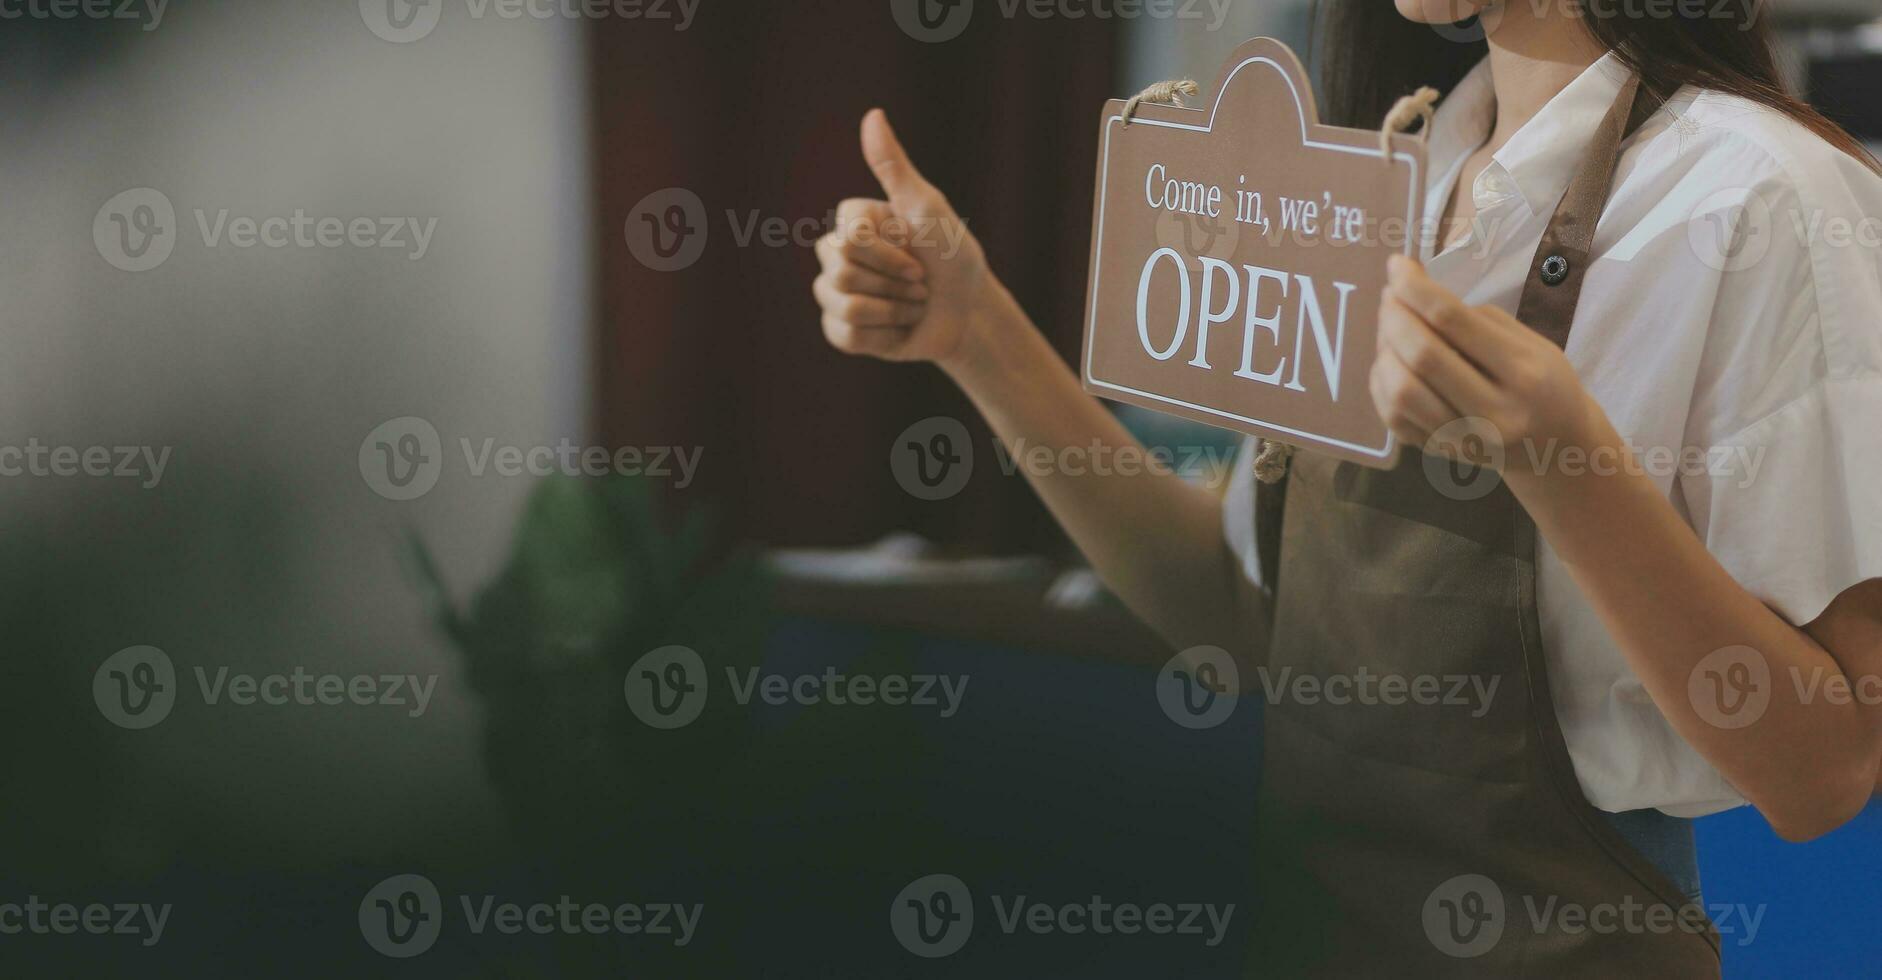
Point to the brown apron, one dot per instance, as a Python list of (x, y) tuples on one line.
[(1427, 829)]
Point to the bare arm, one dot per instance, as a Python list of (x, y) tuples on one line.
[(1806, 757), (903, 280), (1154, 539), (1789, 715)]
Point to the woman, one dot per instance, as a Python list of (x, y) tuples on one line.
[(1694, 625)]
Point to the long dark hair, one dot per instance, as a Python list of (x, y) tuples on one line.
[(1369, 56)]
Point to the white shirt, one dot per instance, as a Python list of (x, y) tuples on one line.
[(1763, 350)]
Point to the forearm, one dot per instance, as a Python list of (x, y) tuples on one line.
[(1809, 760), (1154, 539)]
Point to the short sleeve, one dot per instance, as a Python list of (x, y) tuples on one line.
[(1792, 505), (1788, 496)]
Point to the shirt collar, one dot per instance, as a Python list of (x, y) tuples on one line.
[(1540, 160), (1463, 120)]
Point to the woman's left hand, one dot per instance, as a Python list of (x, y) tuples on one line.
[(1441, 361)]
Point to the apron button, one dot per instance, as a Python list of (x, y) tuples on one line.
[(1554, 269)]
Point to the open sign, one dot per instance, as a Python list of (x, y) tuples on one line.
[(1238, 257)]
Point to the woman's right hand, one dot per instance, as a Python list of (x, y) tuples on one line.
[(903, 279)]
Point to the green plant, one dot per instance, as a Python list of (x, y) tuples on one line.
[(594, 579)]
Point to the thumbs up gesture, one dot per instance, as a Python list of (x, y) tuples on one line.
[(902, 279)]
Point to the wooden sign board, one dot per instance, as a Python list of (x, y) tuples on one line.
[(1238, 257)]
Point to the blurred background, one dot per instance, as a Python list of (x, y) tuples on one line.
[(311, 308)]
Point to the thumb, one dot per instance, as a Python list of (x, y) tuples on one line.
[(909, 192)]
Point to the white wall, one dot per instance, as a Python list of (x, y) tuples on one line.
[(266, 368)]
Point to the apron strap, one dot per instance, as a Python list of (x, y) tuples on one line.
[(1555, 275)]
